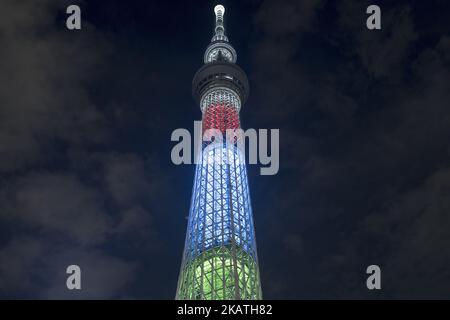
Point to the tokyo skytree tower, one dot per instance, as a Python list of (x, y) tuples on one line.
[(220, 259)]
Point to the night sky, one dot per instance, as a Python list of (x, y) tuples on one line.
[(86, 118)]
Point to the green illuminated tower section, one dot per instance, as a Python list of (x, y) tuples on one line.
[(220, 259)]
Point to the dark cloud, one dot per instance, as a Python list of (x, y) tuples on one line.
[(415, 224), (103, 276), (61, 203), (291, 17), (44, 96), (383, 54), (62, 200), (126, 179), (19, 258), (359, 136), (34, 268)]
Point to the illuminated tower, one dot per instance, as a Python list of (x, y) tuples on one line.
[(219, 259)]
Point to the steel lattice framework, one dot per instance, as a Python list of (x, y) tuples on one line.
[(220, 259)]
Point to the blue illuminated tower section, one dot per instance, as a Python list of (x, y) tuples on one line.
[(220, 259)]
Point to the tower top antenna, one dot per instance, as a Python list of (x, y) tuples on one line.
[(219, 10), (219, 48)]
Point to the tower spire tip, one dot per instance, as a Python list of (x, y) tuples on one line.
[(218, 8), (219, 41)]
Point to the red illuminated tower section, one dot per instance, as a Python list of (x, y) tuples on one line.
[(220, 259), (220, 116)]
